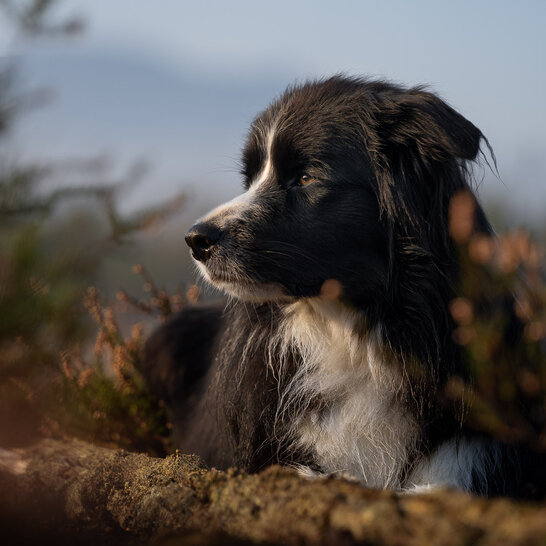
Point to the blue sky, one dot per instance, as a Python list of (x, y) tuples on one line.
[(178, 82)]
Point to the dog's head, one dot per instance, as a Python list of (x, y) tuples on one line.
[(335, 172)]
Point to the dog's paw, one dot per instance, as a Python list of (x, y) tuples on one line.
[(308, 473), (419, 488)]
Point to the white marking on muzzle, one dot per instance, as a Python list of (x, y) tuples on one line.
[(242, 202)]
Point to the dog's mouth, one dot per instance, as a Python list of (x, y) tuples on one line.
[(240, 285), (221, 268), (248, 270)]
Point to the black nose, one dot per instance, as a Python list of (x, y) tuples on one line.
[(201, 238)]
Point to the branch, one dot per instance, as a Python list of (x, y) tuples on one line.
[(74, 491)]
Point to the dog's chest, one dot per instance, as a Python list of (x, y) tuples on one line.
[(343, 404)]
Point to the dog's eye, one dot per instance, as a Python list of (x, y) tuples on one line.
[(306, 179)]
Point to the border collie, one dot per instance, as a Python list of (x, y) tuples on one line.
[(334, 349)]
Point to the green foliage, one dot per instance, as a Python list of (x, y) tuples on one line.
[(48, 259), (54, 237)]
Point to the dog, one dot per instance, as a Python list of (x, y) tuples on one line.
[(335, 346)]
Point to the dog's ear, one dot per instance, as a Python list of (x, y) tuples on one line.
[(416, 146), (422, 122)]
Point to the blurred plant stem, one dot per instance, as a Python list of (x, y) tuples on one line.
[(500, 318)]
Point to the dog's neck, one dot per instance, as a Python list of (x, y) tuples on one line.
[(343, 404)]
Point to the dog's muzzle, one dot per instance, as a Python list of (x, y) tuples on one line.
[(201, 238)]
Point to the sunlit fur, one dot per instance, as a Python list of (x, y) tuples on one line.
[(343, 404), (335, 348)]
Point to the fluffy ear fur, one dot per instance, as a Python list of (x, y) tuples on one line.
[(418, 146), (424, 123)]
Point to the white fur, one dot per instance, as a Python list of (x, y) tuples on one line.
[(451, 465), (231, 208), (266, 170), (362, 430), (242, 202)]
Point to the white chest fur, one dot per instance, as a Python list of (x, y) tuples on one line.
[(344, 405)]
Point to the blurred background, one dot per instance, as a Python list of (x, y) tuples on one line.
[(121, 122), (174, 86)]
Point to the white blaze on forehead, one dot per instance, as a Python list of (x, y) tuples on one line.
[(266, 170), (242, 201)]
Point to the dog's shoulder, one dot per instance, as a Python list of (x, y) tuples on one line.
[(178, 354), (209, 364)]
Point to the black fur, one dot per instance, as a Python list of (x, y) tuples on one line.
[(385, 163)]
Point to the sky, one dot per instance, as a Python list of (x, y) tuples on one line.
[(177, 83)]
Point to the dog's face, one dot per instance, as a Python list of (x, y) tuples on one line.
[(308, 214), (324, 168)]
